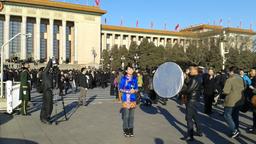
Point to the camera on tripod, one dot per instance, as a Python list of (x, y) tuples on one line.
[(54, 61)]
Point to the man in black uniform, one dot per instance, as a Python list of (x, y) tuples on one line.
[(47, 105)]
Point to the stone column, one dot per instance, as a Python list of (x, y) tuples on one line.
[(121, 39), (37, 39), (64, 39), (104, 41), (75, 43), (23, 50), (129, 41), (113, 40), (50, 39), (6, 36)]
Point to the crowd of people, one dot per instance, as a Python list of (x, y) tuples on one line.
[(234, 89)]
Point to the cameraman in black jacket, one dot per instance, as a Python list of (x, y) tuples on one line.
[(47, 83)]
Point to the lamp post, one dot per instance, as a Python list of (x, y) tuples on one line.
[(102, 62), (223, 39), (122, 59), (111, 59), (136, 58), (94, 53), (2, 57)]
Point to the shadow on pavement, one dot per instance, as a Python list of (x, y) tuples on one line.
[(90, 100), (172, 120), (158, 141), (149, 109), (4, 118), (70, 110), (210, 126), (16, 141)]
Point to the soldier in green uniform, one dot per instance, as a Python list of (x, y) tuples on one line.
[(24, 89)]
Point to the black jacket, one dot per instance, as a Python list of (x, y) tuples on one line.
[(193, 89), (47, 77), (83, 81), (209, 84)]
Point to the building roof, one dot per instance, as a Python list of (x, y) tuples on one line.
[(239, 30), (201, 27), (216, 29), (61, 5), (147, 31)]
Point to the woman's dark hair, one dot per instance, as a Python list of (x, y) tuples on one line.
[(128, 66)]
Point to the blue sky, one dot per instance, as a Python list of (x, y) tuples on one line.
[(173, 12)]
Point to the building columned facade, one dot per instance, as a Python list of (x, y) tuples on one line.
[(65, 31), (74, 34)]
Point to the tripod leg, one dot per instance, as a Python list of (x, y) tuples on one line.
[(56, 105), (64, 110)]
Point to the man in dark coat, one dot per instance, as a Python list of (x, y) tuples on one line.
[(24, 89), (83, 83), (193, 92), (209, 90), (47, 105)]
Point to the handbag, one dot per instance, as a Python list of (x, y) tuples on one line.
[(253, 101)]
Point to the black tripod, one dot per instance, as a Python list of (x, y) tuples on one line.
[(55, 94), (56, 108)]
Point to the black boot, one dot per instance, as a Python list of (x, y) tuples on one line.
[(189, 137), (126, 134), (131, 132)]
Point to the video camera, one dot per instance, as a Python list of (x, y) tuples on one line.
[(54, 61)]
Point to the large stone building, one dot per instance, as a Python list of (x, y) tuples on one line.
[(73, 33), (65, 31)]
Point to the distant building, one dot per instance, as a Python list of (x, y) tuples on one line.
[(74, 34)]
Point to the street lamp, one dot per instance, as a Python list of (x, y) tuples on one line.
[(2, 57), (223, 39), (101, 62), (111, 59), (136, 58), (123, 59)]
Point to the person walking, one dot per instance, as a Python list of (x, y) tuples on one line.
[(233, 89), (128, 87), (251, 93), (83, 86)]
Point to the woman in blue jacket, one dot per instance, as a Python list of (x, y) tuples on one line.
[(128, 86)]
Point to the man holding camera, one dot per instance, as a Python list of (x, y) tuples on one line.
[(47, 82)]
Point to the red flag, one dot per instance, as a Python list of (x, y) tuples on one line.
[(151, 24), (177, 27), (97, 2), (137, 23), (220, 22)]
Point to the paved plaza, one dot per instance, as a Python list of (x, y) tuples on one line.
[(99, 122)]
